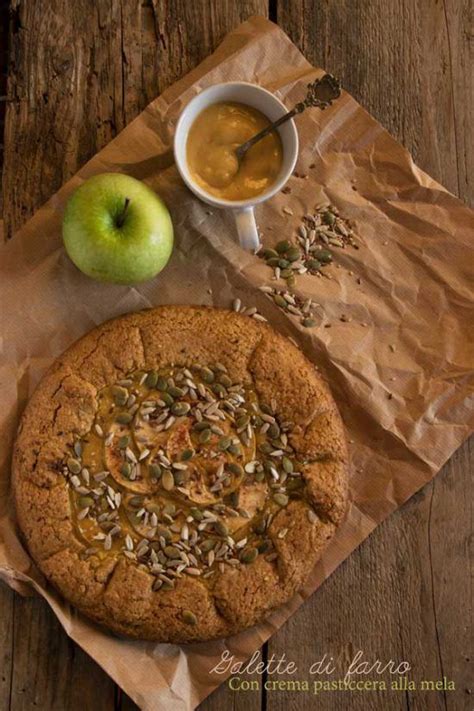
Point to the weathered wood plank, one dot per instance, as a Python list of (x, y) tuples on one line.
[(407, 62), (395, 598), (79, 72), (50, 672), (6, 643)]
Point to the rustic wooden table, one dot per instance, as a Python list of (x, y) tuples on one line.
[(78, 72)]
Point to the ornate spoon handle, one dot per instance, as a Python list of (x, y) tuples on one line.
[(321, 93)]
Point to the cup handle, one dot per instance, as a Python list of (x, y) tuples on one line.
[(247, 229)]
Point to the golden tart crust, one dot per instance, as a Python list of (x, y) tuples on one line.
[(178, 472)]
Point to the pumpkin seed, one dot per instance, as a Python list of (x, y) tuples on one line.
[(221, 528), (162, 383), (224, 443), (163, 532), (124, 418), (283, 263), (235, 450), (234, 499), (154, 470), (85, 502), (260, 527), (153, 508), (248, 555), (324, 256), (273, 431), (189, 617), (171, 552), (124, 442), (329, 218), (293, 254), (175, 391), (207, 545), (309, 322), (269, 253), (219, 389), (280, 301), (287, 465), (265, 546), (167, 399), (126, 469), (119, 394), (235, 468), (273, 262), (73, 465), (280, 499), (242, 421), (200, 426), (282, 246), (186, 454), (313, 264), (180, 408), (205, 436), (179, 478), (197, 514), (151, 379), (294, 483), (207, 375)]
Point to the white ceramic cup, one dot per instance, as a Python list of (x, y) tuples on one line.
[(266, 102)]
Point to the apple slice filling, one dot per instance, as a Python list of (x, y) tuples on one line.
[(182, 471)]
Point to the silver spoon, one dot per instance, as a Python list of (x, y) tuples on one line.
[(321, 93)]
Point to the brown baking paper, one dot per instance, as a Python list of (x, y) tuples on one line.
[(405, 410)]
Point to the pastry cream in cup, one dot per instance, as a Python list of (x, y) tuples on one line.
[(267, 103)]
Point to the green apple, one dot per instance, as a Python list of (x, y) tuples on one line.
[(116, 229)]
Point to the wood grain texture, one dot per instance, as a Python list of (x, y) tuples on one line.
[(409, 63), (404, 584), (49, 671), (79, 72), (7, 649)]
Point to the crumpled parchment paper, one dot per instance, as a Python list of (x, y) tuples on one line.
[(400, 367)]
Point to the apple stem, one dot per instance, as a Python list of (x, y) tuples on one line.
[(121, 217)]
